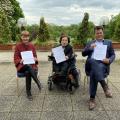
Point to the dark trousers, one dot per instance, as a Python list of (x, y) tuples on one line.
[(29, 73), (97, 74), (61, 68)]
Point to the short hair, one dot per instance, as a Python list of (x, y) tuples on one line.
[(62, 36), (98, 28), (25, 33)]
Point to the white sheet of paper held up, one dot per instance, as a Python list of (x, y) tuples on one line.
[(28, 58), (100, 52), (59, 55)]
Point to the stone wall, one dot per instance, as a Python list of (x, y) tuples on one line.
[(48, 47)]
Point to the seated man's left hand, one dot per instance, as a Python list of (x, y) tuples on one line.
[(106, 61)]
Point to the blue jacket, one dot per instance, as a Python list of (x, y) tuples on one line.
[(110, 54)]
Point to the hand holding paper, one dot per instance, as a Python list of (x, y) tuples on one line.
[(27, 57), (100, 52), (59, 55)]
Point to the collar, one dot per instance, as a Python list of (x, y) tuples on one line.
[(99, 40)]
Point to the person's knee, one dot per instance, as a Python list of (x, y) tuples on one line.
[(75, 72)]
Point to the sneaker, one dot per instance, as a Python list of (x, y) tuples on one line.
[(92, 104)]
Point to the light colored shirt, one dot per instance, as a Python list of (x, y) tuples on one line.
[(97, 42)]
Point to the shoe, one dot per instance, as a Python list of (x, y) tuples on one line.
[(92, 104), (29, 95), (76, 86), (108, 93)]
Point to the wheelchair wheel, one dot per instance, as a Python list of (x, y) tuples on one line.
[(50, 83)]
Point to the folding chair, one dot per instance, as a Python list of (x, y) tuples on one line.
[(21, 75), (87, 77)]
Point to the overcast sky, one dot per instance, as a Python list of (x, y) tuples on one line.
[(66, 12)]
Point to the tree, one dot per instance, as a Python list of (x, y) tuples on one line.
[(117, 31), (5, 32), (43, 31), (83, 31), (12, 12), (17, 13), (112, 27)]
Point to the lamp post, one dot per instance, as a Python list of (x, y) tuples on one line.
[(104, 22), (22, 23)]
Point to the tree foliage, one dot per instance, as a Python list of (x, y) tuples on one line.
[(113, 27), (83, 31), (11, 12), (117, 31), (43, 31), (5, 32)]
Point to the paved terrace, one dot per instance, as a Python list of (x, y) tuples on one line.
[(56, 104), (7, 56)]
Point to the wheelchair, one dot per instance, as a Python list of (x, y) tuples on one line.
[(67, 81)]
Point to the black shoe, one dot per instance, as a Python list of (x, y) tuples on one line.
[(76, 86), (29, 95)]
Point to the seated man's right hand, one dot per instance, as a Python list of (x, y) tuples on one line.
[(93, 45), (106, 61)]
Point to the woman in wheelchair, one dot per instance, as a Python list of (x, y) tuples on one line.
[(29, 70), (68, 67)]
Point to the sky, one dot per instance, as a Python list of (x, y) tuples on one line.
[(66, 12)]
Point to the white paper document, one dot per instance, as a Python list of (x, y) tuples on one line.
[(59, 55), (100, 52), (28, 58)]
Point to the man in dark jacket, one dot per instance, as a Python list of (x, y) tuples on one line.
[(98, 69)]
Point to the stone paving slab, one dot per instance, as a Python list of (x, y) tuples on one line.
[(23, 105), (110, 104), (4, 116), (57, 103), (54, 115), (114, 115), (25, 115), (90, 115), (6, 103)]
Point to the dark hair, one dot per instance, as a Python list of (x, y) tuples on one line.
[(98, 28), (62, 36)]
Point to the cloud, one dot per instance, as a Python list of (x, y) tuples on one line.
[(65, 12)]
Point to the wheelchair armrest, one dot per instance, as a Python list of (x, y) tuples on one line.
[(73, 56), (50, 58)]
